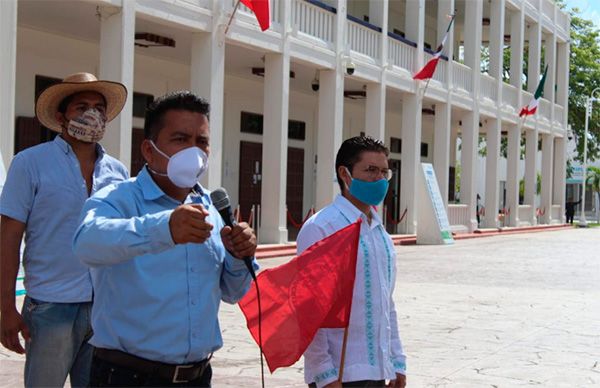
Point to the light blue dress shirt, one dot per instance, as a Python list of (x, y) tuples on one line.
[(45, 190), (153, 298)]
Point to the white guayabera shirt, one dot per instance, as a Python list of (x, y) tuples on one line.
[(373, 350)]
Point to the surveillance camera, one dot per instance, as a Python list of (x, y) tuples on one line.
[(315, 85), (350, 67)]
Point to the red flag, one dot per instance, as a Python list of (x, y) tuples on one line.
[(261, 11), (427, 71), (312, 291)]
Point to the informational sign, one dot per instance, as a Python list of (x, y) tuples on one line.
[(433, 226)]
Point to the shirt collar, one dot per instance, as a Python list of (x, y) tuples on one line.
[(351, 212), (66, 147)]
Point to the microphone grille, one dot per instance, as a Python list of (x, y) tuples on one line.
[(220, 199)]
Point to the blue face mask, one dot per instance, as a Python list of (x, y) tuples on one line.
[(371, 193)]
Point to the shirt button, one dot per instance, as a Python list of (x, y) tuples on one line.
[(193, 269), (194, 335), (193, 302)]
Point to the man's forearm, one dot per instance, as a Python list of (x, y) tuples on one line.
[(11, 233)]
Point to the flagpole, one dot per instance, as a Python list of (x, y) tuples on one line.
[(343, 359), (231, 17)]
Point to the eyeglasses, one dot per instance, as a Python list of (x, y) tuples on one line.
[(375, 172)]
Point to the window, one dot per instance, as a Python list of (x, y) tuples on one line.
[(253, 123), (424, 149), (395, 145), (296, 130), (141, 101)]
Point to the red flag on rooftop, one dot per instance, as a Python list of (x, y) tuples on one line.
[(429, 69), (312, 291), (261, 11)]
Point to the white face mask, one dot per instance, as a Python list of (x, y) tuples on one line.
[(89, 127), (185, 167)]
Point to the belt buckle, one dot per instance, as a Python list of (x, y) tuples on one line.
[(176, 374)]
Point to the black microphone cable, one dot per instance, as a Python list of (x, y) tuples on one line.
[(220, 200)]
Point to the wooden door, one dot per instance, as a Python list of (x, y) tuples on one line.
[(250, 183), (295, 190), (392, 199)]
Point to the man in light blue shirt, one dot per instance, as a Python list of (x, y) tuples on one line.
[(45, 189), (161, 258)]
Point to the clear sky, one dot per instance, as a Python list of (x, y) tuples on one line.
[(590, 9)]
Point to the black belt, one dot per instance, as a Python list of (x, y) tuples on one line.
[(175, 373)]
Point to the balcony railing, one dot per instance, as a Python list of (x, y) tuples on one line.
[(459, 215), (545, 109), (363, 37), (400, 52), (489, 87), (562, 20), (461, 75), (510, 96), (313, 20), (440, 71), (559, 114), (198, 3), (525, 214), (548, 9)]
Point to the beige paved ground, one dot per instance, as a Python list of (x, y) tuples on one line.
[(505, 311)]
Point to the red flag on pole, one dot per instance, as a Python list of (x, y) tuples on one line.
[(261, 11), (312, 291), (429, 69)]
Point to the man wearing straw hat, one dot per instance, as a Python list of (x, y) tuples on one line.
[(369, 351), (45, 189)]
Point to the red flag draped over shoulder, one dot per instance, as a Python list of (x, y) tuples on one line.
[(312, 291), (261, 10)]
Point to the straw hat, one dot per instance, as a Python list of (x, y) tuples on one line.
[(47, 104)]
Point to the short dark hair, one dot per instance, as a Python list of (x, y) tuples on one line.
[(350, 153), (64, 104), (180, 100)]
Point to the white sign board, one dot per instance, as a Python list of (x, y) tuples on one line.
[(432, 220)]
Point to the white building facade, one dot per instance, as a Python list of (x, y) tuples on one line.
[(274, 137)]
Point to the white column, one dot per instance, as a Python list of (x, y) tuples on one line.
[(560, 175), (445, 8), (275, 142), (468, 163), (547, 175), (411, 159), (330, 120), (493, 133), (531, 147), (329, 133), (415, 29), (378, 15), (517, 33), (533, 70), (470, 128), (375, 111), (117, 33), (8, 75), (441, 147), (550, 58), (562, 92), (496, 38), (512, 174), (207, 79)]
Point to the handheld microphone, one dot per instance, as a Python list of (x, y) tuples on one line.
[(220, 200)]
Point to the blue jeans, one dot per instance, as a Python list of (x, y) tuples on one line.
[(59, 343)]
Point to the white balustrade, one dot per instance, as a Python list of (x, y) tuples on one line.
[(562, 20), (461, 76), (313, 20), (459, 215), (525, 214), (401, 54), (363, 39), (198, 3), (510, 96), (440, 71), (548, 9), (545, 110), (488, 87), (559, 114)]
